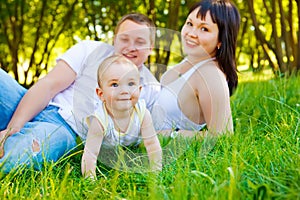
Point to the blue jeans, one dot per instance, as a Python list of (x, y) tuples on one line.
[(48, 129)]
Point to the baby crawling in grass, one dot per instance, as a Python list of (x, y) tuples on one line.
[(121, 118)]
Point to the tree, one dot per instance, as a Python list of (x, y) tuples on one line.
[(275, 31), (29, 33), (34, 33), (298, 44)]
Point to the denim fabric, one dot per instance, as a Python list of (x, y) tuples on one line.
[(48, 129), (10, 95)]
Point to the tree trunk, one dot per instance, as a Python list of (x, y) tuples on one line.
[(260, 37), (298, 46)]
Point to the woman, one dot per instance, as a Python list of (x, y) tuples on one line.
[(196, 92)]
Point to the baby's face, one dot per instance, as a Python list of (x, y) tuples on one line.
[(120, 87)]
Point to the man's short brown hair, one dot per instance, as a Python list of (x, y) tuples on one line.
[(139, 19)]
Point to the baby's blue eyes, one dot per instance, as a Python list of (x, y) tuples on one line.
[(131, 84), (116, 84)]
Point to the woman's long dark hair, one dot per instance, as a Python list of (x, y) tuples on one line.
[(227, 17)]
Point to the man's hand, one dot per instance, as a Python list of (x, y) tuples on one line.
[(3, 136)]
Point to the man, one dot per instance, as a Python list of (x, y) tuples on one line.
[(42, 124)]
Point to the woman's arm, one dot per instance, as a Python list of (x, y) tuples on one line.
[(92, 149), (151, 142), (214, 99)]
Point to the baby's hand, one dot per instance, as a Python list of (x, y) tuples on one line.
[(91, 178)]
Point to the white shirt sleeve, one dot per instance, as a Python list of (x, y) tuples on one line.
[(150, 87), (77, 54)]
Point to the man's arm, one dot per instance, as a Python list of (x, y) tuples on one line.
[(37, 98), (214, 100), (39, 95)]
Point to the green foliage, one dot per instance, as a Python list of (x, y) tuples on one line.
[(260, 161), (269, 35), (29, 33), (34, 33)]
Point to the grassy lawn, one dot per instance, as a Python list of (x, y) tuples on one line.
[(260, 161)]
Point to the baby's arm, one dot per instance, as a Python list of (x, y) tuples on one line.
[(151, 142), (92, 149)]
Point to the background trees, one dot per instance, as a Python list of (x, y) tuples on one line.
[(34, 33), (275, 24), (30, 33)]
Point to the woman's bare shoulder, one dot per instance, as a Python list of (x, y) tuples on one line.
[(169, 76), (210, 71), (210, 77)]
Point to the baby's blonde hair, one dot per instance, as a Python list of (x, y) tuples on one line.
[(117, 58)]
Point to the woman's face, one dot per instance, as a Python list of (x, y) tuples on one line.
[(200, 37)]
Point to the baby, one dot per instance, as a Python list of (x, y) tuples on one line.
[(121, 119)]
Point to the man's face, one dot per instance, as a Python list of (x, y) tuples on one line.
[(133, 41)]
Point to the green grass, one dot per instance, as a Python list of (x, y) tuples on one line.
[(260, 161)]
